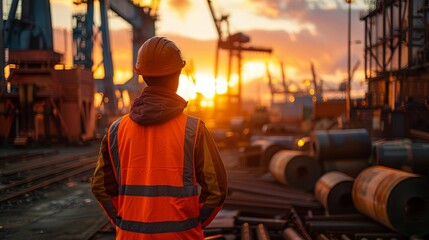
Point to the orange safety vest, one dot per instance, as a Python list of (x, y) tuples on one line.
[(154, 167)]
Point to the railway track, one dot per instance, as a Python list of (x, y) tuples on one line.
[(23, 177), (45, 195)]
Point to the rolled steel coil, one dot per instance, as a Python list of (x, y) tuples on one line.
[(286, 141), (403, 155), (395, 198), (340, 144), (334, 192), (295, 168), (351, 167), (269, 148), (391, 153)]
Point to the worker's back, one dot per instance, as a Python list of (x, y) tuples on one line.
[(156, 177)]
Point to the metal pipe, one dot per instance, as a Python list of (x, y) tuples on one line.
[(272, 188), (291, 234), (246, 232), (291, 200), (345, 237), (298, 222), (270, 223), (261, 232), (397, 199), (338, 217), (322, 237), (343, 226), (215, 237), (367, 235)]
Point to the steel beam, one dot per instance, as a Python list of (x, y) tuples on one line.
[(109, 91)]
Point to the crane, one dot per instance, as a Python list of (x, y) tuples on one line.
[(283, 90), (235, 44), (141, 18), (318, 84), (343, 84), (49, 101)]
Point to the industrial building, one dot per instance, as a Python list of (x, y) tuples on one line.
[(396, 58)]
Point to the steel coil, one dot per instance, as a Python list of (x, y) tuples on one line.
[(340, 144), (399, 155), (334, 192), (351, 167), (295, 168), (269, 148), (286, 141), (397, 199), (391, 153)]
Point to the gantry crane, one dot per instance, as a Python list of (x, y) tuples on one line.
[(44, 100), (142, 20), (317, 83), (274, 89), (235, 44)]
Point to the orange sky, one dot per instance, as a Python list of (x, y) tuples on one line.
[(298, 31)]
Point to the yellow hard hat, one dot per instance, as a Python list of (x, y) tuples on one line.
[(159, 56)]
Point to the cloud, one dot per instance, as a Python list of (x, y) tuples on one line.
[(280, 8)]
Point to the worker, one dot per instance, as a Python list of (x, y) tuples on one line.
[(159, 174)]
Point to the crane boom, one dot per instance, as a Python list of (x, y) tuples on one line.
[(216, 21)]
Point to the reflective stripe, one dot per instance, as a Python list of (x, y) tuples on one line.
[(205, 213), (113, 135), (157, 227), (188, 190), (157, 191), (190, 134)]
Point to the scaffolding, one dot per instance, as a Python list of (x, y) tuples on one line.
[(396, 52)]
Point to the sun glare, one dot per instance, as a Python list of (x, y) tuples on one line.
[(122, 77), (253, 69), (186, 88), (204, 85), (221, 86)]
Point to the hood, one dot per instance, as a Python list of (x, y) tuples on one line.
[(156, 105)]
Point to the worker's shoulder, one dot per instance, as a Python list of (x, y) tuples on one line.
[(196, 119)]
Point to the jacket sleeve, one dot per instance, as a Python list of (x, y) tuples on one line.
[(104, 185), (211, 176)]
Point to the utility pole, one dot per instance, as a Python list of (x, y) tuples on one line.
[(348, 85), (2, 52)]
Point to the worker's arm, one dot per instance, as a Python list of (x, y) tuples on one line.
[(211, 176), (104, 185)]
